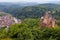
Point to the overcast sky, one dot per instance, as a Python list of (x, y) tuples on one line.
[(41, 1)]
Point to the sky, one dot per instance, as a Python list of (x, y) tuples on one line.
[(40, 1)]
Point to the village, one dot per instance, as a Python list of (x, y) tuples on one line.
[(7, 20)]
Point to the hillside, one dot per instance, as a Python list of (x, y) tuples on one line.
[(30, 26), (35, 11), (4, 14)]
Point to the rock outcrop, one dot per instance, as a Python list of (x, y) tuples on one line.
[(47, 21)]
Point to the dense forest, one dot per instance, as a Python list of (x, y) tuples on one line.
[(29, 29), (35, 11)]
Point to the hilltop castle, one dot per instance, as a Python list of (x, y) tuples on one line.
[(47, 21)]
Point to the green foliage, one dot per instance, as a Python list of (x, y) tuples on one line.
[(13, 30), (29, 30), (25, 34), (31, 11), (6, 39), (3, 33)]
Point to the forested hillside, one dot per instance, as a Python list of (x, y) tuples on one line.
[(35, 11), (30, 28)]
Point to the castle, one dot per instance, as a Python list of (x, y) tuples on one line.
[(47, 21)]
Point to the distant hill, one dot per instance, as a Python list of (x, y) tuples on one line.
[(30, 10), (18, 4), (4, 14), (55, 2)]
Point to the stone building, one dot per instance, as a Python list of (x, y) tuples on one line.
[(47, 21)]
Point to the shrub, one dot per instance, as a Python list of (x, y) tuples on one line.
[(29, 30), (3, 33), (25, 34)]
